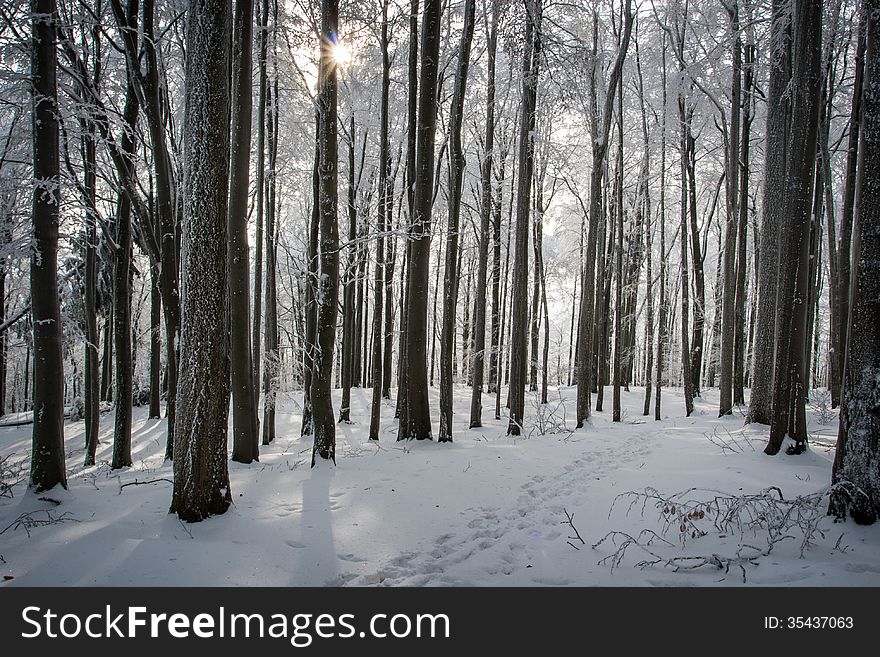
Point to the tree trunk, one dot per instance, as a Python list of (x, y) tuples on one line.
[(259, 200), (245, 440), (519, 300), (415, 422), (456, 175), (858, 451), (846, 218), (201, 476), (789, 414), (728, 296), (122, 291), (311, 286), (588, 292), (383, 221), (776, 157), (328, 257), (47, 456)]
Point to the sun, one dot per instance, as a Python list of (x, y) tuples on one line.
[(341, 54)]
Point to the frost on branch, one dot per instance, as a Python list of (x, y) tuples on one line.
[(755, 524)]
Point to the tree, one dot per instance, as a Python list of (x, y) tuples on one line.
[(416, 421), (201, 475), (47, 457), (456, 174), (526, 158), (789, 385), (245, 441), (776, 158), (324, 425), (857, 459), (478, 365), (384, 220), (588, 291)]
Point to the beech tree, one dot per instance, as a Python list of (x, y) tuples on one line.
[(47, 457), (201, 475)]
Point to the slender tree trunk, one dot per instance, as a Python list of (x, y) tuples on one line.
[(776, 157), (728, 296), (245, 440), (416, 421), (383, 221), (201, 476), (519, 301), (486, 213), (270, 324), (47, 456), (846, 219), (587, 309), (348, 337), (789, 414), (259, 199), (311, 283), (456, 175), (662, 308), (743, 210), (687, 381), (328, 272), (122, 290)]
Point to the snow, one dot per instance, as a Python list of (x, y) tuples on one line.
[(487, 509)]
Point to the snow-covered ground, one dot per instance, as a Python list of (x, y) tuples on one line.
[(487, 509)]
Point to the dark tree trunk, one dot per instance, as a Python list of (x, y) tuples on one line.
[(416, 420), (846, 218), (741, 260), (92, 375), (47, 456), (348, 336), (776, 156), (519, 300), (245, 439), (789, 386), (618, 289), (588, 291), (662, 310), (311, 283), (155, 346), (328, 257), (201, 476), (410, 177), (383, 221), (456, 174), (858, 451), (122, 290), (687, 381), (259, 199), (728, 296), (270, 326)]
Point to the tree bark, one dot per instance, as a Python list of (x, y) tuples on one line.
[(245, 440), (776, 157), (416, 421), (201, 476), (519, 300), (789, 414), (47, 456), (857, 459), (328, 258), (456, 174)]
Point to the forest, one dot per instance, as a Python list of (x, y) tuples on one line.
[(266, 258)]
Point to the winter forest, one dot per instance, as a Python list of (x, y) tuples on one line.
[(456, 292)]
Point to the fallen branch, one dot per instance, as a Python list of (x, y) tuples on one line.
[(143, 483)]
